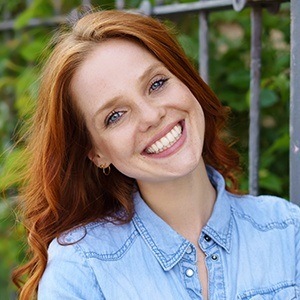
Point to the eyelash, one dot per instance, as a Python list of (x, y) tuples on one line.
[(109, 120), (160, 82), (156, 85)]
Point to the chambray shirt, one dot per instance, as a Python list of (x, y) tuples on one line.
[(251, 245)]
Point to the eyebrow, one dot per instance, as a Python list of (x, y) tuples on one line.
[(114, 100)]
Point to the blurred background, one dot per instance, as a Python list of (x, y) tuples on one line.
[(27, 26)]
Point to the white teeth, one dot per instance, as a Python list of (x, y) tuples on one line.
[(159, 145), (177, 129), (170, 137), (155, 148), (174, 132), (167, 141)]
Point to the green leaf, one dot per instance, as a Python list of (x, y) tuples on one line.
[(32, 50), (270, 181), (235, 100), (280, 144), (37, 9), (189, 46), (23, 19), (13, 165), (27, 82), (25, 106), (7, 81), (239, 78), (268, 98)]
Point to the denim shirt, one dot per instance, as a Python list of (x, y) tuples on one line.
[(251, 245)]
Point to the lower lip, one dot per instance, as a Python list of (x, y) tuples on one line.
[(173, 149)]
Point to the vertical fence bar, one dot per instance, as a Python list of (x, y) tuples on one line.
[(57, 7), (86, 3), (254, 129), (203, 46), (119, 4), (295, 104), (6, 16)]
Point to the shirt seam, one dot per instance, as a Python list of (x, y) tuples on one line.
[(80, 253), (283, 224)]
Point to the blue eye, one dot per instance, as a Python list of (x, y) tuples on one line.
[(157, 84), (114, 117)]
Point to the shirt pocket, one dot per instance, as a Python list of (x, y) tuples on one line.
[(273, 293)]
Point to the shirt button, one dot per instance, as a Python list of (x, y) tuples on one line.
[(189, 250), (214, 257), (207, 238), (189, 272)]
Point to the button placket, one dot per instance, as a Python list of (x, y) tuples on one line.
[(190, 277), (188, 266), (216, 273), (190, 254)]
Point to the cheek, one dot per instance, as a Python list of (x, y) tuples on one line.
[(116, 147), (199, 110), (188, 101), (201, 119)]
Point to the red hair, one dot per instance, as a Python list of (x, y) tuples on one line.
[(63, 187)]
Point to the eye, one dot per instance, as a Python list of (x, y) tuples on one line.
[(156, 85), (114, 117)]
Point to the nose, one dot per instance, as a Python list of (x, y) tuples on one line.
[(150, 114)]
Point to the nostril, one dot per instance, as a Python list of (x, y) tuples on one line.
[(151, 118)]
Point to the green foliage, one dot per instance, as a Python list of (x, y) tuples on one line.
[(230, 79), (20, 53), (11, 248), (14, 165), (37, 9), (22, 49)]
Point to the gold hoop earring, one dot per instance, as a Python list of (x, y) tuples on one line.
[(105, 170)]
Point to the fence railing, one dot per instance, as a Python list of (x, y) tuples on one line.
[(204, 8), (295, 104)]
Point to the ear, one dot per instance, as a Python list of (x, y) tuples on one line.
[(97, 158)]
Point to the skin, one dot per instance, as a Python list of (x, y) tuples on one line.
[(129, 100)]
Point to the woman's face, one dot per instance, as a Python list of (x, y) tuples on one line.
[(142, 119)]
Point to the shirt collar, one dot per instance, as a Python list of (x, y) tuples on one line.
[(165, 243)]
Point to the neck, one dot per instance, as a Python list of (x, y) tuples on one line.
[(185, 203)]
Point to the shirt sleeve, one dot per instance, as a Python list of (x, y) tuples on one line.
[(296, 216), (68, 276)]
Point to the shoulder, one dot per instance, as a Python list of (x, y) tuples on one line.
[(99, 239), (75, 258), (265, 210), (69, 273)]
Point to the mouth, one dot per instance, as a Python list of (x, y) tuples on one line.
[(166, 141)]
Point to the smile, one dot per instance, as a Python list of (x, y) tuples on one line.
[(166, 141)]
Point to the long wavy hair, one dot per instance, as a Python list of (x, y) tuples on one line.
[(64, 189)]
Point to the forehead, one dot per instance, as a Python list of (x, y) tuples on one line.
[(111, 68), (114, 55)]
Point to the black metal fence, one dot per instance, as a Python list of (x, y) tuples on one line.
[(204, 8)]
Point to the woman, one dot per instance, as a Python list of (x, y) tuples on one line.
[(131, 191)]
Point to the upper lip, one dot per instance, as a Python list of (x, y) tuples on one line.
[(162, 133)]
